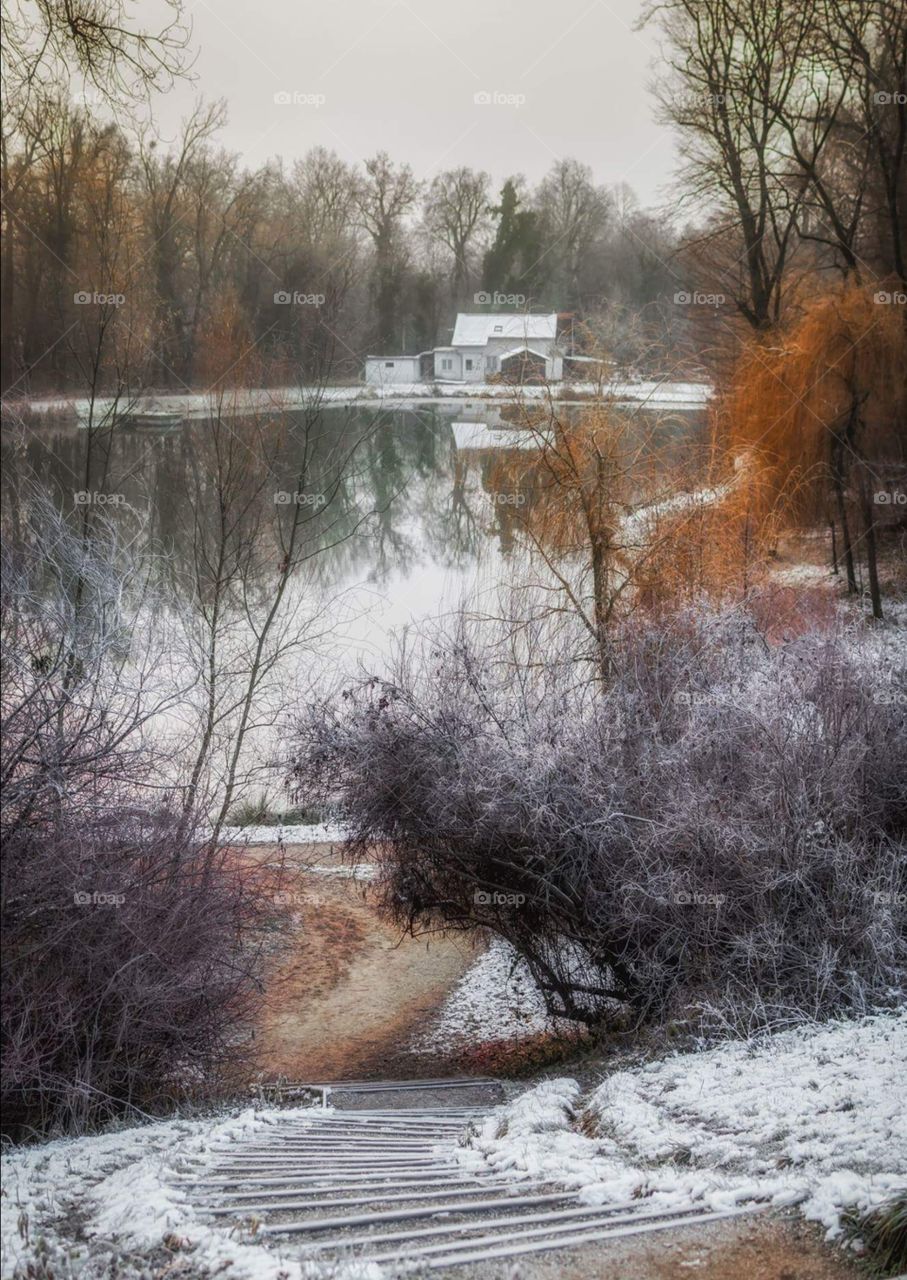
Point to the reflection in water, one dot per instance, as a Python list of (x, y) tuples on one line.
[(415, 519), (399, 526)]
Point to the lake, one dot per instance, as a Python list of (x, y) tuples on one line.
[(439, 530)]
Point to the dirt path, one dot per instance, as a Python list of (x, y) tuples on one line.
[(344, 1000), (762, 1247)]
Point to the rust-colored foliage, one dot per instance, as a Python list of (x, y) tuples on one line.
[(792, 395), (718, 545), (820, 409)]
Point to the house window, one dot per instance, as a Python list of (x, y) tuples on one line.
[(499, 328), (447, 364), (468, 364), (388, 364), (490, 363)]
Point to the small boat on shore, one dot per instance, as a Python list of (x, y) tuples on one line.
[(145, 418)]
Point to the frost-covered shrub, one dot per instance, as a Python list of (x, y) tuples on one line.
[(129, 943), (723, 825)]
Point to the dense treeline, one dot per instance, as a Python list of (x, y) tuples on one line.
[(792, 123), (315, 260)]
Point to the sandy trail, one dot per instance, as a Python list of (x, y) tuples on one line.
[(344, 999)]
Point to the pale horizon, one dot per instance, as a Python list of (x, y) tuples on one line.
[(403, 79)]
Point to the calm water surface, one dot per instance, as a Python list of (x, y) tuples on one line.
[(439, 529)]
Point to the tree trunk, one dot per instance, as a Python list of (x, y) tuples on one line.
[(872, 565), (838, 485)]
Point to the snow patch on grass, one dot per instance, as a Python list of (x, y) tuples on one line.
[(292, 833), (812, 1116), (129, 1191), (496, 999)]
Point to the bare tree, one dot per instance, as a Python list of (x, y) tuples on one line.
[(46, 42), (735, 66), (386, 194), (575, 213), (457, 213), (867, 45), (272, 494), (165, 179), (598, 502), (128, 946)]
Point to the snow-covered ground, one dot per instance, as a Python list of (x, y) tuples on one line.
[(813, 1116), (122, 1186), (344, 871), (656, 394), (291, 833), (496, 999)]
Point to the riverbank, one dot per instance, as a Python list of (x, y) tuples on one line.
[(652, 394)]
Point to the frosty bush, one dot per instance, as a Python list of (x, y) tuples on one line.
[(129, 943), (723, 825)]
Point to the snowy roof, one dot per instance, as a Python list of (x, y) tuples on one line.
[(475, 331), (522, 351)]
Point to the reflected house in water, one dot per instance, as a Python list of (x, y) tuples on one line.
[(518, 349), (480, 437), (502, 456), (495, 429)]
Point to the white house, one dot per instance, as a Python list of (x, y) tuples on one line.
[(484, 346), (518, 348)]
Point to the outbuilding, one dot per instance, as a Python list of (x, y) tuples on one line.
[(387, 371)]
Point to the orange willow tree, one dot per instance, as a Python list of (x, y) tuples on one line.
[(714, 542), (821, 408), (603, 498)]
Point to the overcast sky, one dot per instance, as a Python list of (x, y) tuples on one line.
[(570, 77)]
